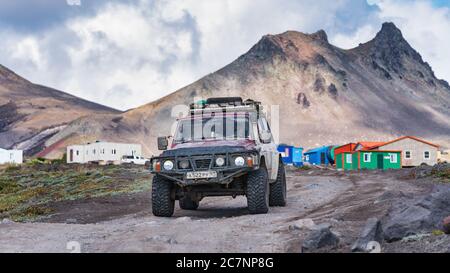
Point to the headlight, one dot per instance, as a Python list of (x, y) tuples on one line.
[(184, 164), (220, 161), (239, 161), (168, 165)]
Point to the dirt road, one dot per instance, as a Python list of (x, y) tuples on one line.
[(345, 201)]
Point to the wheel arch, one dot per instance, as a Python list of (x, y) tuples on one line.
[(263, 160)]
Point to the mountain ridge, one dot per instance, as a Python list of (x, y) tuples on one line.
[(31, 113), (326, 95)]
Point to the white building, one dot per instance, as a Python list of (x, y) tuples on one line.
[(11, 156), (415, 151), (102, 152)]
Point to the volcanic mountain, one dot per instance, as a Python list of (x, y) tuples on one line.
[(30, 114), (325, 95)]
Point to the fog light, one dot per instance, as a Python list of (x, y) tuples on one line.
[(184, 164), (220, 161), (168, 165), (239, 161)]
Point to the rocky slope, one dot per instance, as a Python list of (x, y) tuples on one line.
[(31, 113), (325, 94)]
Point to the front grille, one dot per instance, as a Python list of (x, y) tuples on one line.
[(202, 164)]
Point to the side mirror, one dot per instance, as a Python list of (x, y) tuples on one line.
[(266, 137), (163, 142)]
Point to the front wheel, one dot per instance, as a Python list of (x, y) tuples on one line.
[(258, 191), (277, 197), (162, 202)]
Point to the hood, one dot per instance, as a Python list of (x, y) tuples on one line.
[(210, 147)]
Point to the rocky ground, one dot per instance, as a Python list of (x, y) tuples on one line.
[(328, 211)]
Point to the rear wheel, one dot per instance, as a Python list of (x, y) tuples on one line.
[(277, 195), (187, 203), (258, 191), (162, 202)]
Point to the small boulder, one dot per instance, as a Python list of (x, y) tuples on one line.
[(422, 171), (446, 225), (411, 221), (183, 219), (172, 241), (71, 221), (306, 223), (320, 238), (422, 215), (7, 221), (372, 232)]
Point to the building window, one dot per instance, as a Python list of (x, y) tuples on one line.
[(426, 155), (11, 156), (367, 157), (393, 158), (407, 154), (93, 151), (78, 152), (348, 158)]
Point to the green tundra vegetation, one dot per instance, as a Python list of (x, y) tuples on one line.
[(26, 191)]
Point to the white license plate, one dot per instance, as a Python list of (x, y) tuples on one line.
[(200, 175)]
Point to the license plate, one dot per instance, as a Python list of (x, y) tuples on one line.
[(200, 175)]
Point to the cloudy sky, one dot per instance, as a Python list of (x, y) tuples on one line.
[(124, 53)]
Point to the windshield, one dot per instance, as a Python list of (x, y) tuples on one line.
[(211, 128)]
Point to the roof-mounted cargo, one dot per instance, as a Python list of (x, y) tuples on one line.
[(225, 101), (235, 104)]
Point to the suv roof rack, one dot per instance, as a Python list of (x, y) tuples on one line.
[(222, 104), (226, 100)]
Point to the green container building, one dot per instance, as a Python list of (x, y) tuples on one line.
[(369, 160)]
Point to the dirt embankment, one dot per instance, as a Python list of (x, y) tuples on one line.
[(123, 222)]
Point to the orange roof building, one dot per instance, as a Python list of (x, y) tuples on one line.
[(415, 151), (367, 145)]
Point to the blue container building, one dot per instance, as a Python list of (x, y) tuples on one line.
[(320, 156), (297, 156), (291, 155), (286, 152)]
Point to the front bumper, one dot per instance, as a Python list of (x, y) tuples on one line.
[(225, 174), (223, 177)]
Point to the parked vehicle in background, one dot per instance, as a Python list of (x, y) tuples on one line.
[(132, 159), (223, 148)]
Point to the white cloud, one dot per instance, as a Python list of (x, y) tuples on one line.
[(363, 34), (125, 55)]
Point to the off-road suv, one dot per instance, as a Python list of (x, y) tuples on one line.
[(224, 147)]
